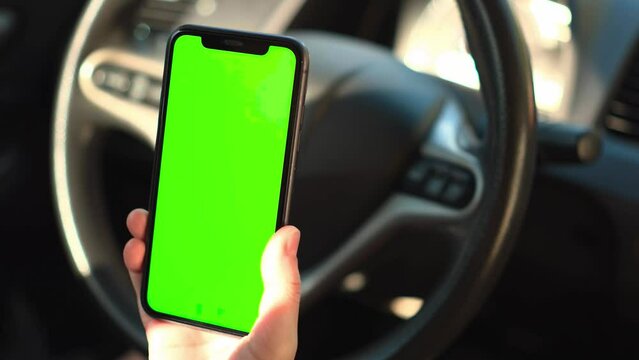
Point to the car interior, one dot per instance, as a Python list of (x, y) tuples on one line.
[(466, 186)]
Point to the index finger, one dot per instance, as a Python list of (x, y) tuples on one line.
[(136, 223)]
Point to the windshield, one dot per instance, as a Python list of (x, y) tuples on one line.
[(431, 39)]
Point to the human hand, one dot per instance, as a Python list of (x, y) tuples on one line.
[(274, 335)]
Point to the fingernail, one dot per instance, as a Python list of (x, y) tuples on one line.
[(293, 243)]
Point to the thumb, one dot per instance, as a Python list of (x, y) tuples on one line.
[(274, 335), (279, 270)]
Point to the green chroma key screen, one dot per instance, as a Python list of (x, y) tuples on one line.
[(220, 178)]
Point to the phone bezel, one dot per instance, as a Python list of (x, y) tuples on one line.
[(290, 157)]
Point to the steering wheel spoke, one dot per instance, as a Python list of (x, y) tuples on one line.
[(448, 170), (440, 190), (125, 87)]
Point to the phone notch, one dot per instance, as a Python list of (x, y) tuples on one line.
[(245, 45)]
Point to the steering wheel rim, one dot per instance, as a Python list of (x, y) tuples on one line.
[(503, 63), (504, 68)]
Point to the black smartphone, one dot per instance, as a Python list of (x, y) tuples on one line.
[(225, 156)]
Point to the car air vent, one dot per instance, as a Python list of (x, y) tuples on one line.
[(623, 113), (163, 15)]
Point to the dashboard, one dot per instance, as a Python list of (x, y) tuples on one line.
[(584, 55)]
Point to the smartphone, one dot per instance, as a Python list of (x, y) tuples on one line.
[(225, 156)]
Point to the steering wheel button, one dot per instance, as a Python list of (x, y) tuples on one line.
[(434, 186), (99, 77), (455, 194), (415, 177), (139, 87), (153, 93), (417, 173), (117, 81)]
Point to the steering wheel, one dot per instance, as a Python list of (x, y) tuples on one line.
[(384, 149)]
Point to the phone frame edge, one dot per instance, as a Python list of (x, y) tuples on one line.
[(290, 157)]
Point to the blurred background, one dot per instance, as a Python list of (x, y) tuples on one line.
[(570, 287)]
